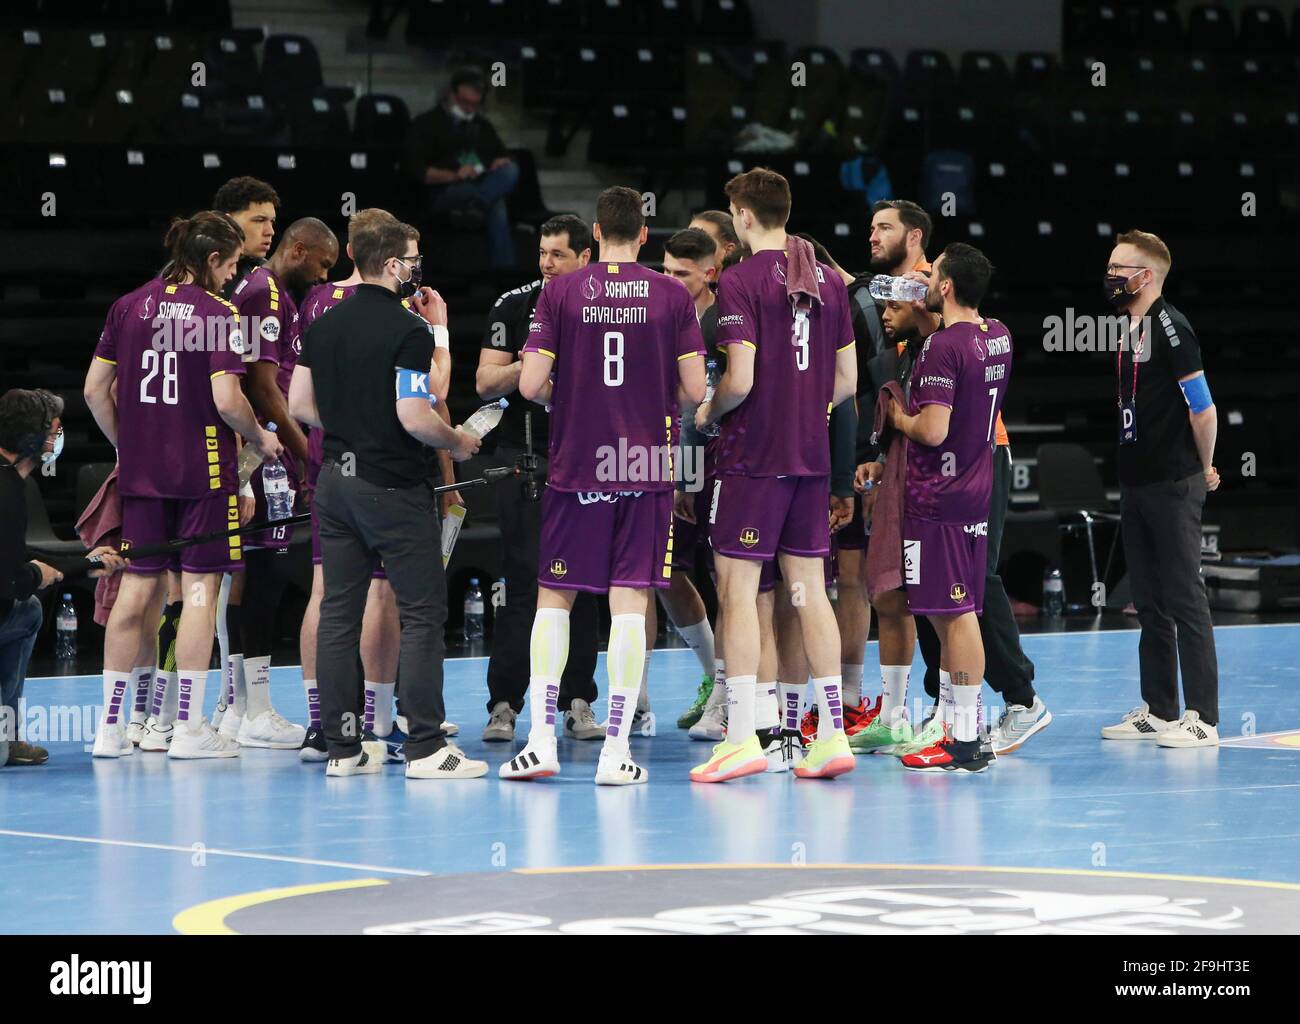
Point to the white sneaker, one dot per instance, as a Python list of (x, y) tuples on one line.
[(643, 718), (193, 743), (270, 729), (537, 760), (785, 752), (580, 723), (448, 729), (448, 763), (369, 762), (1017, 724), (1138, 724), (616, 768), (1189, 731), (501, 724), (713, 723), (111, 741), (135, 730), (157, 737), (231, 722)]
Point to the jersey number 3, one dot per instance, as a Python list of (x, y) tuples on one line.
[(151, 362), (800, 341)]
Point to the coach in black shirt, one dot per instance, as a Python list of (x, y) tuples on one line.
[(364, 376), (1167, 427)]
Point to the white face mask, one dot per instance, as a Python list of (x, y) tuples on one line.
[(48, 457), (459, 114)]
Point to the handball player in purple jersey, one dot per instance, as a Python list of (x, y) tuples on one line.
[(957, 388), (174, 348), (616, 351), (784, 320)]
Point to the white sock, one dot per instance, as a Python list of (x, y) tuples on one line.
[(946, 705), (699, 638), (257, 680), (791, 698), (379, 708), (851, 688), (115, 684), (767, 712), (965, 713), (719, 670), (979, 711), (643, 694), (141, 689), (741, 696), (626, 659), (313, 703), (223, 637), (236, 687), (190, 686), (830, 707), (893, 692), (548, 652)]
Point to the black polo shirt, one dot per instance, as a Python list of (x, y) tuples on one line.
[(1165, 448), (507, 331), (353, 355)]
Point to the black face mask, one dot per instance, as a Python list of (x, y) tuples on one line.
[(1115, 289), (407, 288)]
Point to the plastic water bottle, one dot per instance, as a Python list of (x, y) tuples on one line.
[(473, 611), (1053, 593), (275, 483), (897, 289), (249, 459), (711, 376), (65, 630), (486, 417)]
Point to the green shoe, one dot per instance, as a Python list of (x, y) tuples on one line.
[(927, 737), (693, 713), (879, 738)]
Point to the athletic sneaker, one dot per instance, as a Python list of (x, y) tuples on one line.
[(931, 733), (1188, 731), (369, 762), (772, 750), (580, 723), (1017, 723), (949, 755), (24, 754), (110, 741), (859, 716), (1138, 724), (135, 728), (536, 761), (618, 769), (270, 730), (825, 759), (314, 748), (880, 738), (193, 743), (692, 714), (392, 744), (501, 724), (808, 725), (157, 737), (449, 763), (231, 722), (712, 725), (732, 761)]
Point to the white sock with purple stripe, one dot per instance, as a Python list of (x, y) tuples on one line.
[(830, 707), (548, 653), (141, 688), (190, 686), (115, 684), (313, 703), (165, 698), (791, 696), (379, 707), (625, 659), (767, 711)]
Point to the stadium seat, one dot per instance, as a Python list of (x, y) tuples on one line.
[(616, 19), (145, 171), (1262, 30), (231, 62), (1070, 484), (670, 19), (317, 119), (1158, 27), (290, 66), (1210, 28), (983, 75), (1104, 27), (90, 478), (202, 15), (928, 77), (651, 67), (726, 20), (878, 65), (496, 18), (823, 91), (768, 74), (380, 121), (557, 18)]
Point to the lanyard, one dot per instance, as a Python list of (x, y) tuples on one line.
[(1138, 349)]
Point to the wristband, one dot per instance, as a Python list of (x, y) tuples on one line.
[(441, 336), (246, 489)]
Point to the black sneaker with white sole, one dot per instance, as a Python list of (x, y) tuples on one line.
[(314, 749)]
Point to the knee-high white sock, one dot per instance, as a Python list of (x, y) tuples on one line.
[(236, 687), (851, 688), (625, 659), (830, 707), (791, 698), (741, 696), (257, 682), (223, 639), (946, 704), (379, 707), (965, 713), (190, 687), (767, 711), (313, 703), (142, 689), (643, 692), (548, 652), (115, 684), (166, 696), (893, 692), (699, 638), (979, 711)]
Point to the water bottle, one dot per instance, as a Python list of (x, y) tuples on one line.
[(275, 484), (473, 611), (486, 417), (65, 630), (249, 459), (897, 289), (1053, 593), (712, 376)]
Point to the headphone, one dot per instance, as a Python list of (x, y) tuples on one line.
[(33, 407)]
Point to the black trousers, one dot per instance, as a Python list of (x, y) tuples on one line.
[(1007, 668), (1162, 546), (360, 524), (508, 666)]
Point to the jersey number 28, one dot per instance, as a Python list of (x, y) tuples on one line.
[(150, 362)]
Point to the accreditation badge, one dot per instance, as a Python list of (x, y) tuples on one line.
[(1128, 430)]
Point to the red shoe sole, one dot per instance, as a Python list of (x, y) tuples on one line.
[(835, 767), (529, 778)]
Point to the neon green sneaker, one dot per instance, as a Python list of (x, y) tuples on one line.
[(927, 737), (825, 759), (693, 713), (732, 761), (879, 738)]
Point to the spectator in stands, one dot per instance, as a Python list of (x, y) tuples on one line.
[(31, 432), (461, 160)]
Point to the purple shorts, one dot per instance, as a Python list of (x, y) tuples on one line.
[(593, 541), (147, 521), (690, 538), (852, 536), (944, 566), (275, 538), (756, 516), (378, 574)]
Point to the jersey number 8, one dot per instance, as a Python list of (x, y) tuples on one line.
[(613, 359), (149, 362)]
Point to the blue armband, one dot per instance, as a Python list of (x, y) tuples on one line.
[(1197, 393), (414, 384)]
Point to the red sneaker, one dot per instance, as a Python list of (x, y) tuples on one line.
[(949, 755), (858, 718), (808, 725)]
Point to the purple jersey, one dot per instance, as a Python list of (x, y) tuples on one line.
[(616, 332), (319, 299), (168, 341), (780, 427), (271, 320), (967, 368)]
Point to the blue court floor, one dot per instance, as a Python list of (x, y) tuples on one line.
[(124, 846)]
